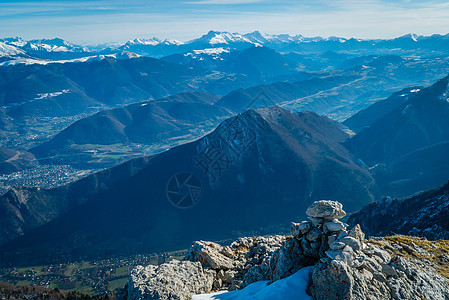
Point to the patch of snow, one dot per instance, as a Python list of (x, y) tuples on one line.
[(154, 41), (415, 91), (335, 39), (33, 61), (40, 96), (8, 50), (15, 41), (226, 38), (290, 288), (211, 51), (60, 49), (125, 55), (262, 38), (172, 42)]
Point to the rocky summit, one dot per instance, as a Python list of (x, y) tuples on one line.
[(343, 264)]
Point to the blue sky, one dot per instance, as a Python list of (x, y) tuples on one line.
[(112, 20)]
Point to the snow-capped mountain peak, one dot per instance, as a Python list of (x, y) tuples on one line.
[(126, 55), (153, 41), (263, 38), (9, 50), (411, 36), (14, 41), (221, 38), (172, 42)]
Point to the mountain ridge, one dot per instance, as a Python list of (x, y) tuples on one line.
[(60, 49), (406, 145), (256, 155)]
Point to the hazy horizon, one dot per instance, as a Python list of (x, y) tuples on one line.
[(116, 21), (162, 38)]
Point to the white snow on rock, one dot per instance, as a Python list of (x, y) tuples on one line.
[(226, 37), (41, 96), (212, 51), (290, 288), (32, 61), (8, 50), (152, 42)]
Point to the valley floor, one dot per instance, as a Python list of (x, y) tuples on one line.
[(102, 277)]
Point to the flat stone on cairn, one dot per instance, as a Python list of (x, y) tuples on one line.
[(326, 209)]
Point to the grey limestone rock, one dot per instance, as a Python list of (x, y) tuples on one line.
[(357, 233), (299, 229), (294, 230), (209, 254), (173, 280), (333, 226), (326, 209), (417, 280), (287, 260), (350, 241), (314, 235)]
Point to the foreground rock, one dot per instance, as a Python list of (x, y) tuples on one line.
[(344, 264), (173, 280)]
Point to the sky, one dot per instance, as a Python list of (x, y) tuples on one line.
[(101, 21)]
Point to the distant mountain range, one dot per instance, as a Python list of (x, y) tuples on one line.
[(271, 157), (31, 94), (57, 49), (255, 171), (337, 94), (340, 94), (165, 122), (267, 160), (259, 62)]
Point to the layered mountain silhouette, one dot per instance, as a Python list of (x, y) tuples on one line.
[(241, 99), (341, 94), (366, 117), (285, 43), (30, 95), (258, 63), (71, 88), (67, 89), (405, 139), (254, 172), (150, 122)]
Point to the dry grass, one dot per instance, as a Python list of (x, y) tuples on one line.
[(434, 248), (243, 248)]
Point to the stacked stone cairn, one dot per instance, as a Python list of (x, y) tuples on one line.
[(345, 265)]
